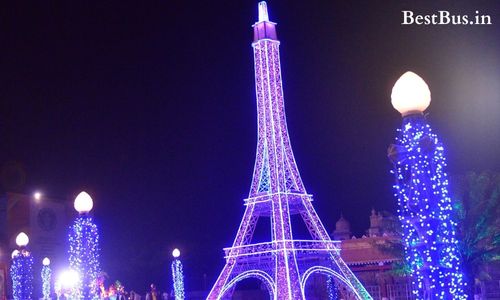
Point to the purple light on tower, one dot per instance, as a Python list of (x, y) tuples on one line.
[(283, 264)]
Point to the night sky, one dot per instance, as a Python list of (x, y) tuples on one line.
[(150, 107)]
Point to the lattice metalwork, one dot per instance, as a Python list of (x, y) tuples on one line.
[(282, 264)]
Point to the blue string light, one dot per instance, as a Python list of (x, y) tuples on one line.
[(331, 289), (84, 256), (426, 212), (46, 275), (21, 272), (178, 279)]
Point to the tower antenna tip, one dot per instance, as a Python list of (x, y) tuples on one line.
[(263, 15)]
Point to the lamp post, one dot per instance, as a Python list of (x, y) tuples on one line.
[(177, 276), (425, 208), (46, 274), (21, 269), (84, 249)]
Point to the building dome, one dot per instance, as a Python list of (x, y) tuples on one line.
[(342, 229), (342, 225)]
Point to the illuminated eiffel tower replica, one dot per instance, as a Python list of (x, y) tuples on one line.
[(283, 264)]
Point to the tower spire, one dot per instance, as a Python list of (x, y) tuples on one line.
[(263, 15), (263, 28)]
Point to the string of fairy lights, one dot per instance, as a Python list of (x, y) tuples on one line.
[(84, 249), (425, 208), (21, 269), (177, 275), (46, 277)]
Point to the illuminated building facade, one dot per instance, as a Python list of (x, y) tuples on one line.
[(372, 257)]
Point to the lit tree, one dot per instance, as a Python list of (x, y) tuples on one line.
[(425, 208), (21, 269), (477, 204), (46, 274), (84, 249), (177, 276)]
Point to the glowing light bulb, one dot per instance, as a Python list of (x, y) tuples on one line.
[(176, 253), (22, 239), (410, 94), (83, 203), (37, 196), (68, 279), (46, 261)]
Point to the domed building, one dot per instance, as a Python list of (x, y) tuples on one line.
[(369, 258), (342, 229)]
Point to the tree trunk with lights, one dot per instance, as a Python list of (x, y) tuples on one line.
[(426, 211)]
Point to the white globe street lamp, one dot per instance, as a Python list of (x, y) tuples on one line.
[(410, 94), (425, 209), (177, 275), (176, 253), (83, 203), (46, 261), (22, 239), (21, 269), (83, 241), (37, 196)]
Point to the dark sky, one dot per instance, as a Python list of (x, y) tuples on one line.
[(150, 107)]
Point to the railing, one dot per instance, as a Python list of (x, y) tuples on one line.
[(268, 197), (374, 291), (400, 291), (290, 245)]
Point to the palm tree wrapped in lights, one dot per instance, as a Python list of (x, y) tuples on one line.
[(84, 249)]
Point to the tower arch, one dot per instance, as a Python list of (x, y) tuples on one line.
[(258, 274), (328, 272)]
